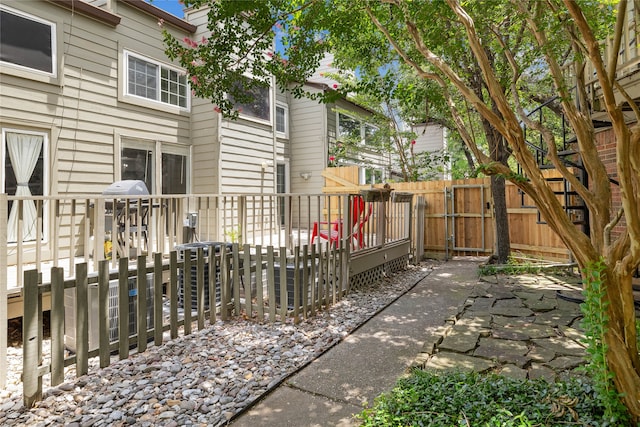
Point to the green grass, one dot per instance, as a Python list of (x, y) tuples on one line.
[(475, 400)]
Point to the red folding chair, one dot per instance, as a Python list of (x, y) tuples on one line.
[(333, 231)]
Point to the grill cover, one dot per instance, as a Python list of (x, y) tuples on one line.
[(127, 187)]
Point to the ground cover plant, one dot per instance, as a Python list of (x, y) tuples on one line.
[(427, 398)]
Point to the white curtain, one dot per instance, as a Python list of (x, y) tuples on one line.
[(24, 151)]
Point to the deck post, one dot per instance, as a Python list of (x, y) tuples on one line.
[(419, 229), (345, 258)]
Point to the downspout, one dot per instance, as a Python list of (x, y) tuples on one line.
[(218, 186), (274, 133)]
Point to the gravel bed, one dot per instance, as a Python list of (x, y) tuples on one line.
[(201, 379)]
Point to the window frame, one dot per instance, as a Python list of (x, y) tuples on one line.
[(285, 108), (374, 174), (45, 173), (54, 44), (269, 121), (159, 67), (157, 149), (362, 128)]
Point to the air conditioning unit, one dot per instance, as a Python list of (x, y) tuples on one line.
[(181, 250), (113, 317)]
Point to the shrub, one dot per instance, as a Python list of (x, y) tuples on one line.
[(470, 399)]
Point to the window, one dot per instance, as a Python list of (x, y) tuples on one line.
[(174, 173), (370, 134), (23, 174), (370, 176), (282, 120), (253, 102), (152, 80), (27, 41), (348, 128), (137, 162), (355, 131)]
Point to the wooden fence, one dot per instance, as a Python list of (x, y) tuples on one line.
[(459, 220), (97, 308)]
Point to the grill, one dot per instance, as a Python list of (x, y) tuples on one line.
[(119, 213), (127, 187)]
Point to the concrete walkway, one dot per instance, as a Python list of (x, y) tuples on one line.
[(369, 361)]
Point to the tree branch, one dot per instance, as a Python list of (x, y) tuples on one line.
[(438, 63), (617, 40)]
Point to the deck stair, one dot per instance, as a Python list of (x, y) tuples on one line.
[(573, 204)]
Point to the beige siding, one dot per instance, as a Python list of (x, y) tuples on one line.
[(205, 151), (204, 129), (83, 111), (245, 147), (325, 67), (429, 137), (308, 135)]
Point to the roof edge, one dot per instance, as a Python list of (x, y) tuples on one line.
[(89, 10), (161, 14)]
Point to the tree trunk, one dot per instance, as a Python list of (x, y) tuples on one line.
[(501, 220), (621, 340), (499, 152)]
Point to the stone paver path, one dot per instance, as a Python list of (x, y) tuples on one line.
[(519, 326)]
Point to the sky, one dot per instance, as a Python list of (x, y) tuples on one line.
[(171, 6), (174, 7)]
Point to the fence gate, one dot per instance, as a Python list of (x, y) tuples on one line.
[(466, 212)]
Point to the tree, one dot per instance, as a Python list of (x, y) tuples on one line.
[(512, 43)]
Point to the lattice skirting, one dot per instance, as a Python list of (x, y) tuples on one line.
[(377, 272)]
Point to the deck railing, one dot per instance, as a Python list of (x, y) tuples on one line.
[(628, 52), (61, 231)]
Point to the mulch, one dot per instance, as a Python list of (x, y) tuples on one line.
[(14, 332)]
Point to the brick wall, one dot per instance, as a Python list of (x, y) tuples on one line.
[(606, 143)]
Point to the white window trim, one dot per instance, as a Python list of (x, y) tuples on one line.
[(54, 44), (125, 76), (45, 172), (285, 107)]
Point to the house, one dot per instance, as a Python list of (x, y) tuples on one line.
[(91, 99), (97, 101), (320, 130), (431, 137)]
